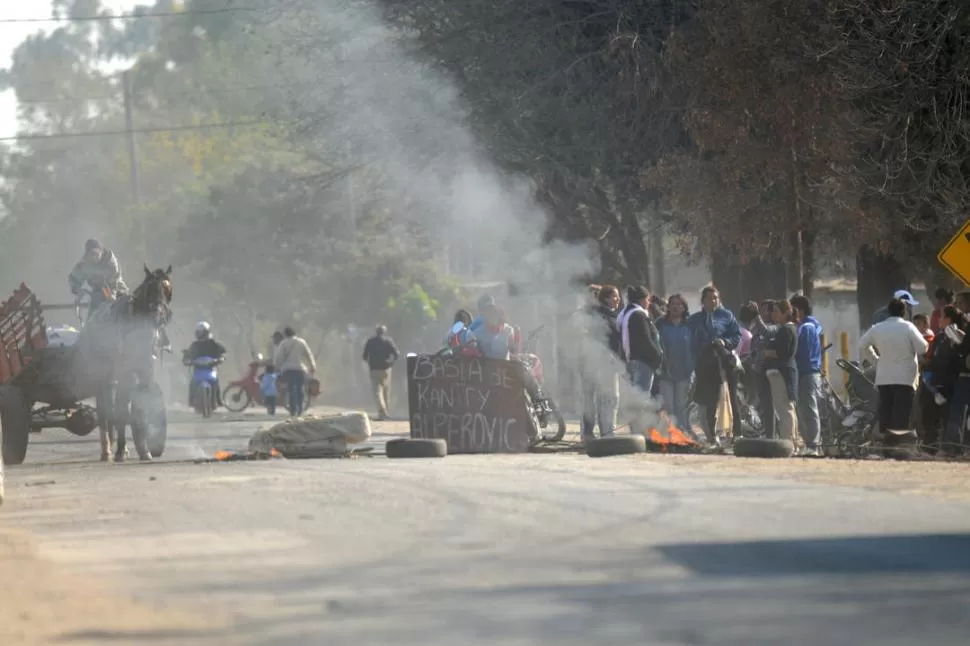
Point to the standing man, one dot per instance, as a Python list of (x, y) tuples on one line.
[(294, 360), (808, 358), (897, 346), (716, 326), (380, 353), (100, 270)]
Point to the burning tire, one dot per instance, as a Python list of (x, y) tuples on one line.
[(623, 445), (763, 447), (416, 448), (15, 420)]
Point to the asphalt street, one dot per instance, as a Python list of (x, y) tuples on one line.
[(468, 550)]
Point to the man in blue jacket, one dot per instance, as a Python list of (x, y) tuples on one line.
[(714, 329), (808, 357)]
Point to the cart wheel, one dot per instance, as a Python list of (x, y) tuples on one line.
[(236, 398), (15, 419)]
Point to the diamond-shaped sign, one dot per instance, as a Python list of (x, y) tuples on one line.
[(955, 256)]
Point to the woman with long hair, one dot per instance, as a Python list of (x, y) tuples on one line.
[(673, 382), (600, 368), (782, 371)]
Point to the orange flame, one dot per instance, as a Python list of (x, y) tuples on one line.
[(222, 455), (673, 437)]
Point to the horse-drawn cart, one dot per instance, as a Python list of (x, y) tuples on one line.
[(33, 372)]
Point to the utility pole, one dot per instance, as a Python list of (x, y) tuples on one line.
[(130, 135), (132, 156)]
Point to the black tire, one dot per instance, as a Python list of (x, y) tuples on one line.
[(763, 447), (602, 447), (236, 399), (15, 420), (416, 448), (149, 416), (206, 400)]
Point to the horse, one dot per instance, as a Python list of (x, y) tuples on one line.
[(122, 336)]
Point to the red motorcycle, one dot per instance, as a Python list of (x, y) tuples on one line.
[(246, 391), (546, 416)]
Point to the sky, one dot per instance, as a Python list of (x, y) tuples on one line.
[(12, 34)]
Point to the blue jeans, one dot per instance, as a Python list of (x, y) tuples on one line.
[(675, 399), (809, 421), (641, 375), (294, 380), (959, 404)]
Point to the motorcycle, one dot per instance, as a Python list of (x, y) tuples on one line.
[(246, 391), (546, 417), (202, 386)]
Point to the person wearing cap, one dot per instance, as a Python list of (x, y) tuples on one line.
[(899, 295), (98, 268)]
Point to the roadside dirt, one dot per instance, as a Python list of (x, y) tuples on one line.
[(41, 604)]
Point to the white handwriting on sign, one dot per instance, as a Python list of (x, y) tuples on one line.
[(462, 369), (468, 431), (446, 397)]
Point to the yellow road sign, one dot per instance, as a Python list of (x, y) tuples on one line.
[(955, 256)]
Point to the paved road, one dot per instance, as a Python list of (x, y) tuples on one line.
[(540, 549)]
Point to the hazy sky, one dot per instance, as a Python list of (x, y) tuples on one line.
[(11, 34)]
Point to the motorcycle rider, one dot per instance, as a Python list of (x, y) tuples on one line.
[(205, 346), (499, 340), (98, 268)]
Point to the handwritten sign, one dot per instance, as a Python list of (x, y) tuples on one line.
[(476, 405)]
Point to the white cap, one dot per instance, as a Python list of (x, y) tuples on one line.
[(906, 297)]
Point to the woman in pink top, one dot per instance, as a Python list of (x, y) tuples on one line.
[(744, 348)]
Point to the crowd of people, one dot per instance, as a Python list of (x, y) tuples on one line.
[(923, 370), (768, 357)]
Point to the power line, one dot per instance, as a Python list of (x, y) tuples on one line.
[(110, 133), (131, 16), (163, 94)]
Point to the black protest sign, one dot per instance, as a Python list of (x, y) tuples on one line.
[(476, 405)]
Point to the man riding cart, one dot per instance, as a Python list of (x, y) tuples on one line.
[(98, 268)]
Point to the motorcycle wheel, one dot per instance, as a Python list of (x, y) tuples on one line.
[(206, 403), (555, 417), (236, 398)]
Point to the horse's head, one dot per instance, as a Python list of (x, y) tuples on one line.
[(152, 298)]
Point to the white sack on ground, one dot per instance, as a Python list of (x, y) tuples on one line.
[(314, 434)]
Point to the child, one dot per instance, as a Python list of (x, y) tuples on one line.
[(922, 323), (268, 388)]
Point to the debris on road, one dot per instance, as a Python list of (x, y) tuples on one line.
[(40, 483), (313, 436)]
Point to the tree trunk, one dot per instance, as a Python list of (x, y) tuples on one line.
[(657, 252), (808, 268)]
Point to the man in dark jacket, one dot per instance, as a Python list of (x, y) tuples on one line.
[(380, 353), (640, 339)]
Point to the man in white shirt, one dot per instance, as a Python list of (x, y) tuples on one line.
[(897, 345)]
